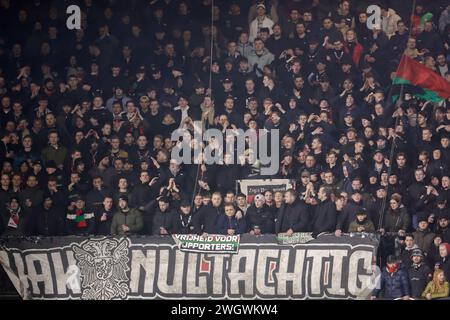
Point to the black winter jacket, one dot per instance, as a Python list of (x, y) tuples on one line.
[(46, 222), (261, 217), (206, 220), (164, 220), (324, 218), (419, 276), (293, 216)]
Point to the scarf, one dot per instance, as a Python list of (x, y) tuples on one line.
[(14, 218), (338, 56), (81, 222), (392, 269), (416, 266), (140, 129), (210, 115), (186, 223)]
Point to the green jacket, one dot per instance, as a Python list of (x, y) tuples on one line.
[(368, 226), (443, 293), (133, 219), (57, 155)]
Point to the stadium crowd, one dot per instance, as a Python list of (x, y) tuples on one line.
[(87, 115)]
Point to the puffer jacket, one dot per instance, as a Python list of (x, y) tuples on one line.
[(132, 218), (395, 285)]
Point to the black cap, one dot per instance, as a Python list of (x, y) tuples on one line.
[(159, 29), (373, 174), (124, 198), (227, 80), (441, 199), (35, 162), (47, 195), (95, 94), (78, 197), (164, 199), (169, 84), (312, 39), (51, 164), (422, 217), (346, 60), (361, 213), (322, 61), (185, 204), (154, 69), (378, 151), (141, 69), (199, 84), (349, 114), (445, 215), (228, 60)]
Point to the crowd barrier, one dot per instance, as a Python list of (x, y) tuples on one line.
[(156, 268)]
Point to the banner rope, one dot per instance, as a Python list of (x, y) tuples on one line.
[(194, 193), (398, 105)]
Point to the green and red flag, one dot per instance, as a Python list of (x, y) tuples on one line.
[(421, 81)]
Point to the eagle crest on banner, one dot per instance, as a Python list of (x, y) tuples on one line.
[(103, 266)]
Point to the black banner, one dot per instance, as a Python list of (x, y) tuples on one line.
[(251, 187), (155, 268)]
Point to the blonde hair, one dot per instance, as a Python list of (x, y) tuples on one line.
[(437, 286)]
